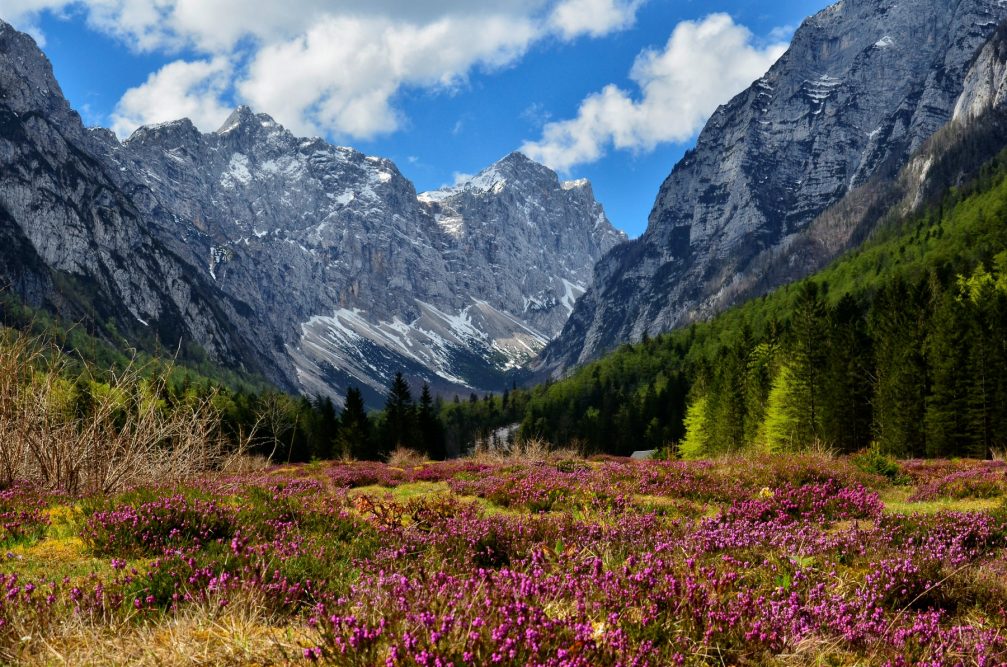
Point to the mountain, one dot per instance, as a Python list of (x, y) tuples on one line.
[(76, 243), (897, 345), (863, 87), (312, 264)]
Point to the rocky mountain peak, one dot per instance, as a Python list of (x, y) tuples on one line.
[(241, 116), (173, 134), (314, 264), (244, 120), (863, 85), (27, 83)]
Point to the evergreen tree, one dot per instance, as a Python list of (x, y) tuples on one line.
[(326, 429), (758, 381), (354, 437), (846, 393), (947, 405), (727, 405), (431, 431), (806, 363), (399, 424), (898, 323)]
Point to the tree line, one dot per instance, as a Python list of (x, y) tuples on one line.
[(301, 429)]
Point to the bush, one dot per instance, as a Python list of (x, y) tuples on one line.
[(873, 462)]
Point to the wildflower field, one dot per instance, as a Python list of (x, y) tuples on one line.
[(787, 560)]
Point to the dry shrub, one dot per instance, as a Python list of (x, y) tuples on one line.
[(405, 458), (120, 434), (242, 463), (531, 450)]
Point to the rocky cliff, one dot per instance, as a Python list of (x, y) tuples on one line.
[(862, 88), (314, 264)]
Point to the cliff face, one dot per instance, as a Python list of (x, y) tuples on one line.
[(862, 88), (314, 264), (74, 241)]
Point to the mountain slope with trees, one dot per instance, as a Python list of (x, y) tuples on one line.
[(900, 343)]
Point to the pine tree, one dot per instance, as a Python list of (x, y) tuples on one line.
[(947, 404), (354, 438), (399, 424), (898, 322), (809, 349), (326, 428), (846, 394), (431, 431), (727, 405)]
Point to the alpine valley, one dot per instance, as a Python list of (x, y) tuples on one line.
[(771, 431), (317, 267), (313, 265)]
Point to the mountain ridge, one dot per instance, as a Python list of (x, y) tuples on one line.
[(861, 88), (315, 264)]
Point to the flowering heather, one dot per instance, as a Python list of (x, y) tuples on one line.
[(565, 563), (984, 480)]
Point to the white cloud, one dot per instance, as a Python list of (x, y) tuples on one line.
[(178, 90), (326, 66), (343, 74), (703, 64), (572, 18)]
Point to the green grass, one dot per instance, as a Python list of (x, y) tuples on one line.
[(897, 501)]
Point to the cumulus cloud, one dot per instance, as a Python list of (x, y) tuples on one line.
[(331, 66), (180, 89), (344, 73), (572, 18), (703, 64)]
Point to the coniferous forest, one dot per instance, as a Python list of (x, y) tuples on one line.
[(900, 344)]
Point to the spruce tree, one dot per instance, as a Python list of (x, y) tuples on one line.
[(327, 428), (898, 321), (846, 394), (808, 353), (399, 424), (431, 431), (354, 438), (947, 404)]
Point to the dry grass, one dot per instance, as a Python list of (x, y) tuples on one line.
[(534, 450), (241, 463), (241, 633), (406, 458), (897, 501)]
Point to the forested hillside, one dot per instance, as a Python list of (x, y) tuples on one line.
[(900, 343)]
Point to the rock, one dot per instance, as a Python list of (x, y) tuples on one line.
[(863, 86)]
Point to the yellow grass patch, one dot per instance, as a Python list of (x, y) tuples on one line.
[(199, 636), (63, 550), (404, 491)]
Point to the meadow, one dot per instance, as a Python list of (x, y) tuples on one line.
[(549, 560)]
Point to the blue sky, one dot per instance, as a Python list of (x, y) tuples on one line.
[(610, 90)]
